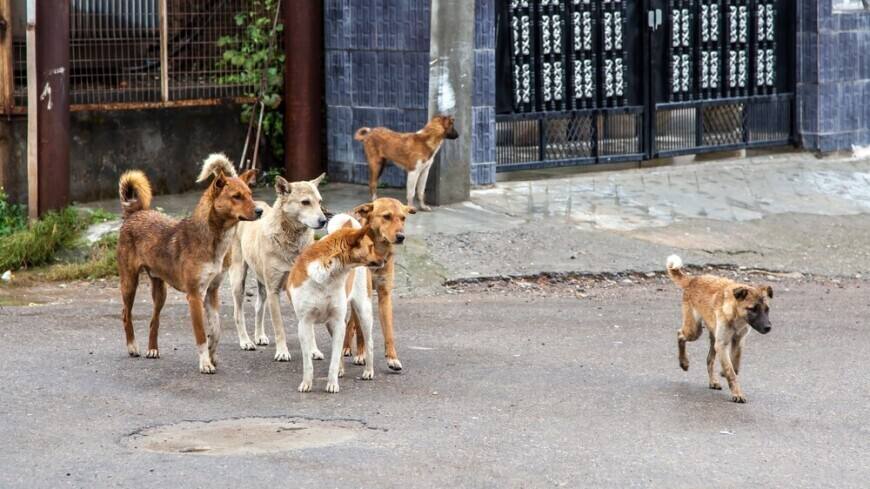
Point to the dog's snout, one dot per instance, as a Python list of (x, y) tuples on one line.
[(400, 238), (258, 213), (322, 221)]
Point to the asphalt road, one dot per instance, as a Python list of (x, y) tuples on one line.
[(520, 386)]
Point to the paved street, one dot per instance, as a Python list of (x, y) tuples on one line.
[(533, 382), (527, 387)]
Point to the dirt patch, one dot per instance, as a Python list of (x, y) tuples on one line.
[(244, 436)]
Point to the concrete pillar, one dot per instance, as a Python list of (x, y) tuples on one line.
[(451, 82)]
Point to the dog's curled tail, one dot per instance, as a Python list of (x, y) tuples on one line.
[(135, 192), (216, 162), (675, 271), (362, 133)]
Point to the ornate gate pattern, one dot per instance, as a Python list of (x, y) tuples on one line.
[(605, 80)]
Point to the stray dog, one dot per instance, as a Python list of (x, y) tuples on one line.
[(190, 254), (322, 280), (413, 151), (728, 309), (268, 247), (386, 218)]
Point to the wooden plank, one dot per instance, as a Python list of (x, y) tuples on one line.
[(7, 81), (32, 147)]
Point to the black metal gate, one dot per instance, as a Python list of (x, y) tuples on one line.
[(583, 81)]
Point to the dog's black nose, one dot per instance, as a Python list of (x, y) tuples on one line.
[(323, 221), (258, 212), (400, 238)]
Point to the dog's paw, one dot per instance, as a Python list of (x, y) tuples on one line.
[(340, 371), (155, 353), (133, 349), (214, 359), (394, 364), (247, 345), (361, 360), (206, 367), (715, 386), (368, 374), (262, 340), (304, 387), (282, 356), (346, 352), (684, 364), (425, 208), (332, 387), (738, 398), (317, 355)]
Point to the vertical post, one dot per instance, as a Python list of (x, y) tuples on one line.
[(451, 82), (164, 51), (7, 164), (303, 89), (48, 122)]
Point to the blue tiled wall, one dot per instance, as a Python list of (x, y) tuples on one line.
[(377, 74), (833, 89)]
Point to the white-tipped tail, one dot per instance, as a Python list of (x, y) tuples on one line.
[(674, 262), (339, 221), (216, 162)]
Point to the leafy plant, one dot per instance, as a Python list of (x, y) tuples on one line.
[(38, 244), (102, 262), (257, 62), (270, 175), (12, 216)]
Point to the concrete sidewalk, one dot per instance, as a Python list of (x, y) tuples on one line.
[(783, 212)]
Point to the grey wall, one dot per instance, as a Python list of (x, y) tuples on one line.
[(168, 145), (377, 74), (833, 89)]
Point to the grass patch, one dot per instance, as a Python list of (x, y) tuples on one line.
[(37, 244), (101, 263)]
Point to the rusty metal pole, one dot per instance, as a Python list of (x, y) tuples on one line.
[(303, 88), (7, 80), (48, 130)]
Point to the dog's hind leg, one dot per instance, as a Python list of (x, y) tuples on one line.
[(689, 332), (282, 354), (421, 185), (158, 295), (711, 364), (260, 337), (129, 283), (376, 168), (336, 366), (213, 318), (349, 334), (238, 274)]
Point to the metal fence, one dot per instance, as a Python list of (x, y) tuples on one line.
[(144, 53)]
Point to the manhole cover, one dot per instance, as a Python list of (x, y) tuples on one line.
[(245, 436)]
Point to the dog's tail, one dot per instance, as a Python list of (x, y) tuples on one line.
[(135, 192), (215, 163), (675, 271), (362, 133)]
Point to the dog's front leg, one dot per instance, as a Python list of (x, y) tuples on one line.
[(366, 320), (282, 354), (336, 366), (385, 310), (421, 185), (197, 313), (411, 184), (724, 335), (260, 316), (238, 272)]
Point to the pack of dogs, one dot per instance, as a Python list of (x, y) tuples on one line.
[(331, 281)]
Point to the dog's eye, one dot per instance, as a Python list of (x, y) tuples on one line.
[(402, 218), (237, 196), (387, 217), (306, 202)]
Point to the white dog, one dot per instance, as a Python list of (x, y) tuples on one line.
[(326, 278), (269, 247)]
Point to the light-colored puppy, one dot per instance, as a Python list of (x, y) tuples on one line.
[(324, 280), (269, 247)]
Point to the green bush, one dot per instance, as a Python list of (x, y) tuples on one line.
[(102, 262), (12, 216), (37, 244)]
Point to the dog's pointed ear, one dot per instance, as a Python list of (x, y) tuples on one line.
[(740, 293), (282, 186), (249, 177), (363, 211), (409, 210), (767, 290), (316, 182), (219, 180)]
